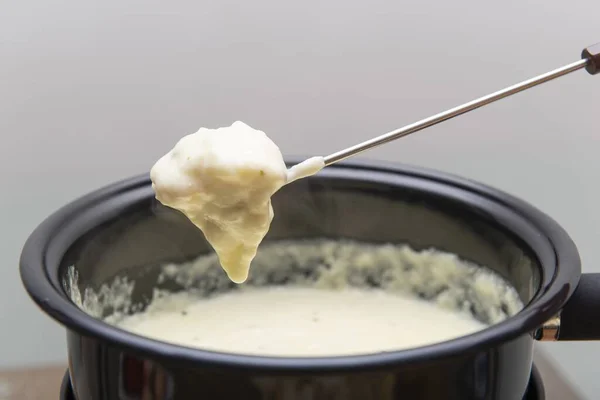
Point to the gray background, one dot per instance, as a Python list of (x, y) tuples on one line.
[(91, 93)]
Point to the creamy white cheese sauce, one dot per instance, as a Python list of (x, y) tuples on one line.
[(308, 298), (301, 322), (222, 180)]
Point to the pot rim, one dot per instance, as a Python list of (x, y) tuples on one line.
[(44, 250)]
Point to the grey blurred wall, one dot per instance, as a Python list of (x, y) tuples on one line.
[(91, 93)]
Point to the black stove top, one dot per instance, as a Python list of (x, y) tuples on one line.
[(534, 392)]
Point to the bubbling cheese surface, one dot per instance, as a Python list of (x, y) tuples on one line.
[(222, 180)]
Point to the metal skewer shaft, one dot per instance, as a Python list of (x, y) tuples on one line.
[(590, 60)]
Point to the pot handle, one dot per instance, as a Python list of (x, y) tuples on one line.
[(580, 317)]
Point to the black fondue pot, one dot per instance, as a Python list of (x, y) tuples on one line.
[(121, 230)]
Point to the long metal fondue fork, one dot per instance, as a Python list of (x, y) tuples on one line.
[(590, 59)]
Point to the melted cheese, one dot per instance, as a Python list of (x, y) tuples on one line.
[(299, 322), (222, 180)]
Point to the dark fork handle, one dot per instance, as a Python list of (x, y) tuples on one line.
[(592, 54)]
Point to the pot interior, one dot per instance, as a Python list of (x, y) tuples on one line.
[(115, 267)]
